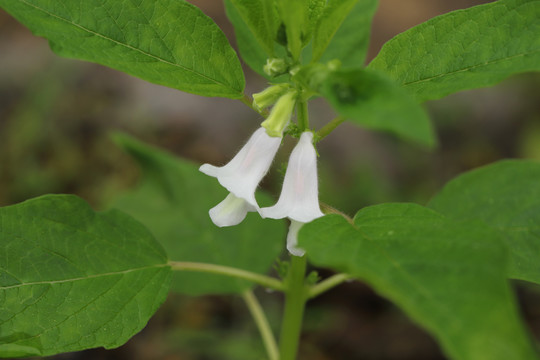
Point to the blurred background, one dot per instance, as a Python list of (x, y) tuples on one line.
[(56, 116)]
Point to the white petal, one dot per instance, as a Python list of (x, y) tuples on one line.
[(242, 174), (230, 211), (292, 239), (299, 196)]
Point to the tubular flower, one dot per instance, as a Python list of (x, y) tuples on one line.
[(299, 196), (241, 176)]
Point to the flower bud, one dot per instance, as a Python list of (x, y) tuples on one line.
[(269, 96), (280, 115), (275, 67)]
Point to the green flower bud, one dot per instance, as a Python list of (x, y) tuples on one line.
[(280, 115), (269, 96), (275, 67)]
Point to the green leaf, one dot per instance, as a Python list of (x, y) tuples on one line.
[(371, 100), (465, 49), (167, 42), (506, 196), (252, 51), (315, 10), (262, 20), (173, 200), (350, 42), (449, 276), (343, 32), (295, 17), (73, 279)]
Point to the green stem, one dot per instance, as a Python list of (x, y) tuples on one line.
[(331, 126), (247, 101), (263, 280), (262, 324), (303, 115), (327, 284), (295, 301)]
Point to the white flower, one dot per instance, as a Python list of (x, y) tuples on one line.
[(299, 197), (241, 176)]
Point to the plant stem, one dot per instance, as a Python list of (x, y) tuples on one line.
[(247, 101), (331, 126), (295, 301), (263, 280), (303, 115), (327, 284), (262, 324)]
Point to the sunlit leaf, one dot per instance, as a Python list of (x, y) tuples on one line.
[(465, 49), (167, 42)]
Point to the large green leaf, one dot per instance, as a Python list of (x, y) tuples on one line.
[(167, 42), (343, 32), (449, 276), (72, 279), (173, 202), (371, 100), (465, 49), (505, 195)]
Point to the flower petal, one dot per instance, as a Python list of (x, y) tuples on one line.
[(242, 174), (230, 211), (299, 196), (292, 238)]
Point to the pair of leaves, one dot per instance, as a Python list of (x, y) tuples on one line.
[(448, 270), (171, 42), (167, 42), (340, 30)]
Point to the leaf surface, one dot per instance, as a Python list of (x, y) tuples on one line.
[(73, 279), (465, 49), (370, 99), (506, 196), (448, 276), (173, 200), (253, 52), (343, 32), (167, 42), (261, 18), (295, 17)]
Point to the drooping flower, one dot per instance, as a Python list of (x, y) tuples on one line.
[(299, 200), (241, 176)]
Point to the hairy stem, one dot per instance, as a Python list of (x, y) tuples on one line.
[(262, 280), (295, 301), (262, 324), (331, 126), (303, 116), (327, 284)]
